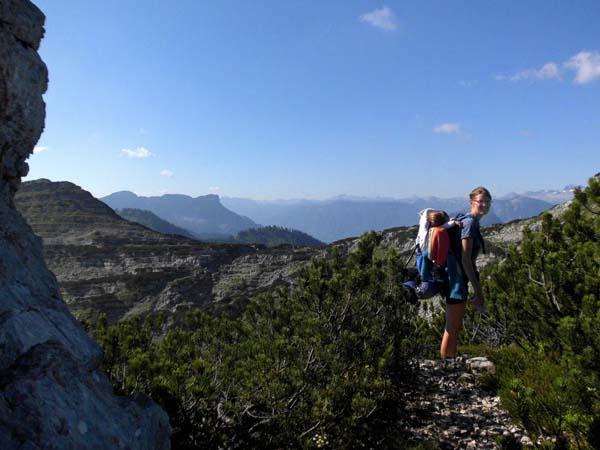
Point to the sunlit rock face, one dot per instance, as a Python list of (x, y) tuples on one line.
[(107, 265), (52, 394)]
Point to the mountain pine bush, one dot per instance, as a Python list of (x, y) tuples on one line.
[(545, 298), (317, 365)]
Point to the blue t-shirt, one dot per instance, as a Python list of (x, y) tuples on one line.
[(470, 229)]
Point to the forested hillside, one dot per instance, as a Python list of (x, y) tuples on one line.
[(152, 221), (273, 236)]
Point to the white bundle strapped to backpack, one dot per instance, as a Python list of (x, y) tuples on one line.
[(424, 225)]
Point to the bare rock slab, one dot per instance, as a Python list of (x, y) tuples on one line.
[(54, 402), (52, 395)]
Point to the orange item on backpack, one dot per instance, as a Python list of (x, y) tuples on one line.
[(439, 245)]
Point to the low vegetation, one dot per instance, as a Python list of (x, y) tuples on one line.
[(319, 365), (545, 319)]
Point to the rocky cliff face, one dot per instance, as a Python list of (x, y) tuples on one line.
[(105, 264), (52, 394)]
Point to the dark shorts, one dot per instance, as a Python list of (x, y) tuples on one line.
[(457, 290)]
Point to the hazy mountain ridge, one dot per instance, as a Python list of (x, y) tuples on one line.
[(334, 219), (203, 216), (552, 196), (270, 236), (213, 218)]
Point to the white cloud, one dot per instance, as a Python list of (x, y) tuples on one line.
[(214, 188), (448, 128), (548, 71), (166, 173), (39, 149), (383, 18), (467, 83), (139, 152), (586, 65)]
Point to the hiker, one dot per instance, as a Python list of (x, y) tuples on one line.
[(464, 271), (432, 246)]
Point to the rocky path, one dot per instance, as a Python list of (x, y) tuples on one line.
[(451, 407)]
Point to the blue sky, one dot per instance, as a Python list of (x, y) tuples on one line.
[(311, 99)]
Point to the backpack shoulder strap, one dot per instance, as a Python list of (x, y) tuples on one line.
[(479, 237), (454, 235)]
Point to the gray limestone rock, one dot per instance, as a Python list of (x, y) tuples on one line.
[(51, 392), (481, 365), (455, 414)]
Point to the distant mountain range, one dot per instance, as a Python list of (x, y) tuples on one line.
[(269, 236), (330, 220), (554, 197), (211, 217), (204, 216)]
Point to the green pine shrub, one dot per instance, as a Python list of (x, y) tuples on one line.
[(313, 366), (545, 299)]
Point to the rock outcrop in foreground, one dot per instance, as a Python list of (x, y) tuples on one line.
[(52, 395)]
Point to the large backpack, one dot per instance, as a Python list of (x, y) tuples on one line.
[(450, 283), (430, 272), (424, 266), (431, 280)]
